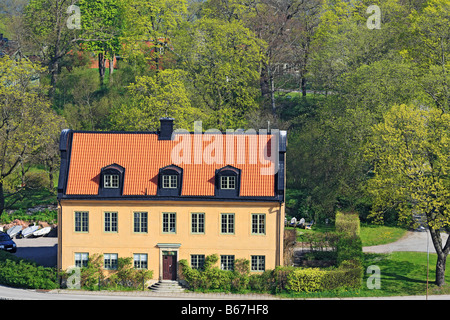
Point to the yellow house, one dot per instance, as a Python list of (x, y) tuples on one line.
[(163, 196)]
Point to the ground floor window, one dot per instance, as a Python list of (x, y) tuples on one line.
[(140, 261), (227, 262), (258, 263), (110, 261), (198, 261), (81, 259)]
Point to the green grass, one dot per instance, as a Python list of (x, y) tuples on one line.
[(372, 235), (401, 274)]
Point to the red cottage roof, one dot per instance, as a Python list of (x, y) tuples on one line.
[(143, 154)]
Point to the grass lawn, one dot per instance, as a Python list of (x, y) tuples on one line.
[(372, 235)]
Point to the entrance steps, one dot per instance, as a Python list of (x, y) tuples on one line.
[(167, 286)]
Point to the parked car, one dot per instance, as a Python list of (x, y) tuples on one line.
[(6, 243)]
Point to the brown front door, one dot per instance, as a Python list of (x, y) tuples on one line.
[(169, 267)]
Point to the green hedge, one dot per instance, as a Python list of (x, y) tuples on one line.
[(20, 273), (347, 223)]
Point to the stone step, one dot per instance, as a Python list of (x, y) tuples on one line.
[(167, 286)]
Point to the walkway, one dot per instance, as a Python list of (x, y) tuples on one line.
[(412, 241)]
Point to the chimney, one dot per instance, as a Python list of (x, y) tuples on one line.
[(165, 132)]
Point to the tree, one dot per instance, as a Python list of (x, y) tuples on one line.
[(26, 119), (102, 26), (46, 27), (153, 97), (410, 155), (222, 61)]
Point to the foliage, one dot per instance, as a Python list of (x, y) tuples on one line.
[(127, 276), (20, 273), (347, 223), (153, 97)]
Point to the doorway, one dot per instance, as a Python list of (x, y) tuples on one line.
[(169, 265)]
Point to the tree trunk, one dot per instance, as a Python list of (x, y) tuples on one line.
[(111, 68), (264, 81), (440, 269), (442, 252), (101, 67), (2, 199)]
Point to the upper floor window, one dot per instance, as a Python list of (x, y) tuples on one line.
[(227, 182), (170, 181), (111, 181)]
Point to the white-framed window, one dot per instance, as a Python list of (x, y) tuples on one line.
[(258, 223), (169, 222), (140, 222), (227, 223), (197, 261), (81, 221), (198, 222), (258, 263), (110, 221), (140, 260), (169, 181), (228, 182), (110, 261), (227, 262), (81, 259), (111, 181)]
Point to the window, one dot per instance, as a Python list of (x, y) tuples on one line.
[(169, 222), (110, 221), (198, 261), (258, 223), (140, 222), (110, 261), (169, 181), (81, 259), (228, 182), (81, 221), (197, 222), (140, 261), (258, 263), (227, 223), (111, 181), (227, 263)]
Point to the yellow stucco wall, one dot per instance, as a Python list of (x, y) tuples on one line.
[(241, 244)]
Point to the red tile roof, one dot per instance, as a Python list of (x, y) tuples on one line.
[(142, 155)]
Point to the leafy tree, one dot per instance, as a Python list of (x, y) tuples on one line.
[(222, 61), (46, 27), (26, 119), (153, 97), (410, 154)]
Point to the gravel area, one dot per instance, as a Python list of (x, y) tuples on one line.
[(412, 241)]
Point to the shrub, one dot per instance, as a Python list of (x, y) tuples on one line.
[(349, 248), (20, 273), (307, 280), (347, 223), (128, 277), (36, 180)]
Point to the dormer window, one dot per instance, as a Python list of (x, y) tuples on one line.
[(111, 180), (227, 182), (170, 181)]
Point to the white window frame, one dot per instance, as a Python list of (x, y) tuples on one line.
[(228, 182), (110, 261), (140, 260), (81, 259), (258, 223), (258, 263), (111, 181), (169, 181), (169, 222), (81, 221)]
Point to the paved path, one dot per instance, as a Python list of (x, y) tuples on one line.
[(412, 241)]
